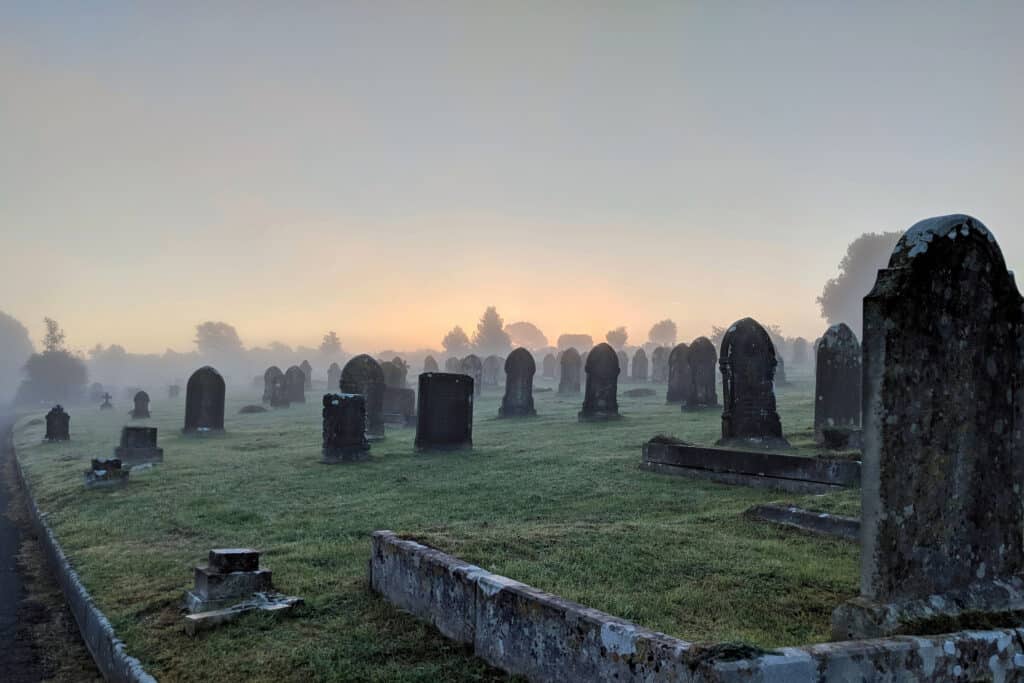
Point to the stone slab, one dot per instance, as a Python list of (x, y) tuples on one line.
[(270, 603), (234, 560), (821, 523)]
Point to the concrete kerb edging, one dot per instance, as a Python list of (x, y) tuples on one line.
[(530, 633), (106, 648)]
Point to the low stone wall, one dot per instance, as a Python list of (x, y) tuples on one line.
[(792, 473), (822, 523), (112, 659), (531, 633)]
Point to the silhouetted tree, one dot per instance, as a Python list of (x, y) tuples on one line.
[(53, 340), (526, 334), (218, 338), (490, 336), (842, 298), (617, 337), (15, 349), (55, 375), (456, 342), (331, 345), (663, 333)]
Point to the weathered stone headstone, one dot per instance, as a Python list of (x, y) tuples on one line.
[(174, 391), (402, 372), (623, 365), (394, 374), (679, 379), (274, 388), (430, 365), (138, 446), (295, 385), (58, 425), (703, 390), (105, 474), (140, 411), (453, 366), (640, 366), (400, 406), (333, 377), (444, 411), (491, 371), (600, 402), (942, 515), (107, 405), (363, 375), (547, 366), (307, 373), (344, 428), (747, 362), (838, 380), (571, 369), (519, 371), (472, 366), (204, 401), (780, 372), (659, 365)]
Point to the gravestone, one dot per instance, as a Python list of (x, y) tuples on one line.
[(453, 366), (623, 365), (105, 474), (519, 371), (58, 425), (571, 368), (640, 366), (394, 374), (780, 372), (747, 362), (400, 406), (295, 385), (491, 371), (204, 401), (138, 446), (701, 357), (333, 377), (307, 373), (444, 410), (344, 428), (942, 515), (430, 365), (659, 365), (838, 380), (274, 388), (174, 391), (679, 379), (600, 402), (472, 366), (363, 375), (547, 366), (140, 411), (107, 405)]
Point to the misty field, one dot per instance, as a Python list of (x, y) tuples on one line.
[(547, 501)]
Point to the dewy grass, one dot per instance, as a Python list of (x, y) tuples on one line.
[(547, 501)]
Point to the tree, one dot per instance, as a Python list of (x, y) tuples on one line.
[(663, 333), (217, 338), (53, 340), (617, 337), (842, 298), (580, 342), (456, 343), (526, 335), (331, 345), (490, 336), (55, 374), (15, 349)]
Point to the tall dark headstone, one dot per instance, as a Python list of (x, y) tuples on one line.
[(659, 365), (453, 366), (58, 425), (363, 375), (679, 379), (491, 371), (307, 374), (623, 365), (548, 366), (702, 358), (600, 402), (942, 515), (472, 366), (272, 377), (571, 368), (444, 417), (640, 366), (519, 371), (747, 362), (140, 409), (204, 401), (430, 365), (344, 428), (838, 380), (295, 385), (333, 377)]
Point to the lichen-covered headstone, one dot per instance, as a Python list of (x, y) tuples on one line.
[(58, 425), (659, 365), (472, 366), (444, 411), (295, 384), (747, 362), (702, 359), (491, 371), (430, 365), (571, 370), (363, 375), (333, 377), (307, 373), (942, 515), (344, 428), (838, 380), (623, 365), (679, 379), (140, 409), (204, 401), (547, 366), (640, 366), (600, 402), (520, 368)]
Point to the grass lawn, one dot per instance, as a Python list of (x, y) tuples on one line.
[(548, 501)]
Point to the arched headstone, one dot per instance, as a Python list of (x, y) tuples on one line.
[(640, 366), (453, 366), (659, 365), (747, 362), (679, 379), (491, 371), (702, 358), (623, 365), (333, 377), (140, 409), (307, 373), (548, 366), (204, 401), (363, 375), (571, 368), (295, 385), (394, 375), (838, 377), (600, 402), (472, 366), (519, 371), (58, 425), (430, 365), (273, 379), (444, 411)]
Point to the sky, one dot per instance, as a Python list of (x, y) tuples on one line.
[(387, 170)]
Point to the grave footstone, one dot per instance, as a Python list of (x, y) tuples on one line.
[(838, 377), (444, 411), (138, 447), (344, 428), (571, 368), (204, 401), (140, 401), (640, 366), (363, 375), (520, 368), (679, 379), (600, 402), (747, 362), (472, 366), (58, 425), (702, 358), (295, 385)]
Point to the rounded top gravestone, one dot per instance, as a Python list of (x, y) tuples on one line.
[(204, 401), (623, 365), (520, 368), (679, 379), (659, 365), (640, 366), (430, 365), (272, 377), (453, 366), (600, 402), (703, 390), (747, 362), (140, 410), (571, 368), (295, 385), (492, 366), (307, 373), (837, 380), (363, 375), (549, 363), (472, 366), (333, 377)]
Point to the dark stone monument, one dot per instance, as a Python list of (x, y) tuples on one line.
[(942, 515), (307, 373), (747, 362), (703, 389), (138, 446), (571, 369), (491, 371), (333, 377), (174, 391), (444, 411), (400, 406), (58, 425), (363, 375), (659, 365), (548, 366), (472, 366), (838, 380), (453, 366), (204, 401), (519, 371), (344, 429), (140, 411), (623, 365), (295, 385), (106, 405), (679, 379), (401, 378), (274, 389), (430, 365), (601, 399), (640, 366), (105, 474), (394, 374)]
